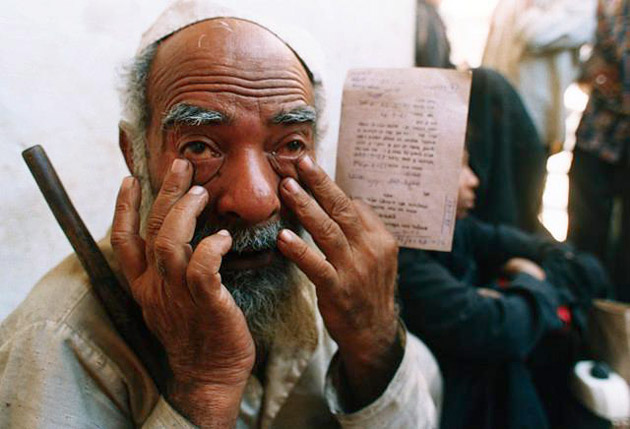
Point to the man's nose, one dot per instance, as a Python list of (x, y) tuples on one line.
[(250, 189)]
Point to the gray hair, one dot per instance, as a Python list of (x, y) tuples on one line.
[(136, 115)]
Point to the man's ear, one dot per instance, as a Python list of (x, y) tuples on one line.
[(125, 146)]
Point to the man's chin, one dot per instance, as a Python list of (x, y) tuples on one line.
[(262, 293), (260, 279)]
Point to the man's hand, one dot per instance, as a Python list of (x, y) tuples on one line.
[(354, 279), (209, 347), (521, 265)]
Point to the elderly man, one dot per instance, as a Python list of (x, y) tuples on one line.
[(260, 329)]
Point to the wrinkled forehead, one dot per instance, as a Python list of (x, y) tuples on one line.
[(234, 51)]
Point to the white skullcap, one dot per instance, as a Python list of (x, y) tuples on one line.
[(182, 13)]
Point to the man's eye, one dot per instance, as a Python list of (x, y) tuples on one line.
[(199, 149), (295, 146), (291, 148)]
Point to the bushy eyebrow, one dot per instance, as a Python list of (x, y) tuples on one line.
[(299, 115), (188, 114)]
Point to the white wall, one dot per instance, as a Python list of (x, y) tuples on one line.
[(58, 64)]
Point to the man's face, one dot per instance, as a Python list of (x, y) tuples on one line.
[(234, 100), (468, 184)]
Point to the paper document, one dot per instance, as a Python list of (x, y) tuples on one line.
[(400, 149)]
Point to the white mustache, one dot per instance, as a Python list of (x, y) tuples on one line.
[(249, 239)]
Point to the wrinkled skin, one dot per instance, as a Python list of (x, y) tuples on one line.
[(247, 74)]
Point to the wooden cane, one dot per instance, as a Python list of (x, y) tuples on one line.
[(123, 311)]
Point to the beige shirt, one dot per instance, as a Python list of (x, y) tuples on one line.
[(63, 365)]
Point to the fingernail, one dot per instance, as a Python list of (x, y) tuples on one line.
[(291, 185), (224, 232), (197, 190), (179, 165), (286, 235), (306, 162)]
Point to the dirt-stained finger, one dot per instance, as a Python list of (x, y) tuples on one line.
[(329, 196), (175, 185), (202, 274), (325, 231), (125, 237), (312, 263), (172, 247)]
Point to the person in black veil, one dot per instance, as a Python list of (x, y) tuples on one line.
[(504, 312)]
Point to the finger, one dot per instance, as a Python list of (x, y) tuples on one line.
[(125, 238), (368, 216), (377, 235), (313, 264), (172, 245), (174, 186), (332, 199), (327, 233), (202, 274)]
